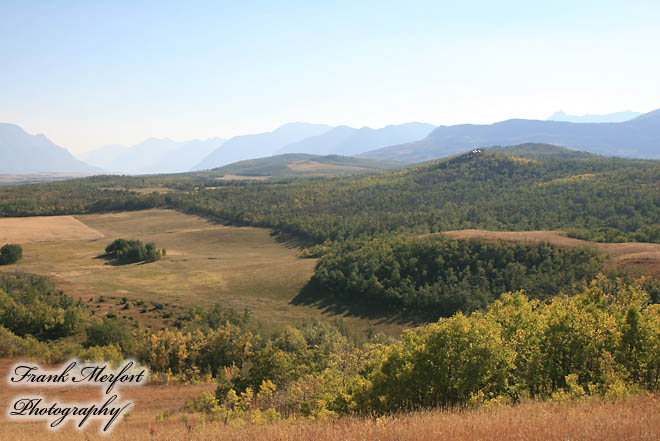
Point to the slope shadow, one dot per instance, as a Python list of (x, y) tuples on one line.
[(113, 261), (314, 295)]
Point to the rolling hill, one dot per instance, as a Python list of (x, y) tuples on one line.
[(22, 153), (637, 138), (298, 164), (259, 145), (542, 151)]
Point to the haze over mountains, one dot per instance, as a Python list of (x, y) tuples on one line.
[(637, 138), (152, 156), (259, 145), (21, 152), (316, 139), (626, 115), (347, 141)]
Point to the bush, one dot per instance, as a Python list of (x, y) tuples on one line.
[(132, 251), (110, 331), (10, 253)]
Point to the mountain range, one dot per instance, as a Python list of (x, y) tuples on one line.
[(152, 156), (347, 141), (626, 115), (21, 152), (637, 138), (240, 148), (316, 139)]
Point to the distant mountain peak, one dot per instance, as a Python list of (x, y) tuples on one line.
[(21, 152), (626, 115)]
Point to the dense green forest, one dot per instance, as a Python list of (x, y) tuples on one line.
[(602, 199), (436, 277)]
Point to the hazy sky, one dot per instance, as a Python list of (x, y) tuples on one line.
[(88, 73)]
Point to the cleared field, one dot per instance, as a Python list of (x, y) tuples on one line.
[(241, 178), (24, 230), (306, 165), (640, 258), (206, 264)]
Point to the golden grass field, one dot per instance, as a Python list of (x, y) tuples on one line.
[(307, 165), (639, 258), (30, 230), (206, 264), (636, 418)]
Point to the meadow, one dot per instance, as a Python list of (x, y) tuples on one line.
[(206, 263)]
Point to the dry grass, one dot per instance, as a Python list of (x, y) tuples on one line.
[(306, 165), (636, 418), (206, 264), (24, 230), (640, 258), (239, 178)]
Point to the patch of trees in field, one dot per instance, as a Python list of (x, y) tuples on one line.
[(433, 277), (10, 253), (132, 251)]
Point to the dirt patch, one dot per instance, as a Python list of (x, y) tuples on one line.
[(23, 230)]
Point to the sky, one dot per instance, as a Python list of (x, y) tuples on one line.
[(90, 73)]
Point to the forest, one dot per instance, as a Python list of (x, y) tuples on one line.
[(594, 198), (436, 277)]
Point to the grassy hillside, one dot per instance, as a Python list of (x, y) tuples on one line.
[(298, 164), (542, 151)]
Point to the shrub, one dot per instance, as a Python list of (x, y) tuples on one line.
[(132, 251), (10, 253)]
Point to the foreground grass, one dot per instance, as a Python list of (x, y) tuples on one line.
[(636, 418)]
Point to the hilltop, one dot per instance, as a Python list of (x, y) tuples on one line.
[(297, 165)]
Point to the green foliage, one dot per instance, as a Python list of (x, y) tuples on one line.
[(29, 305), (593, 343), (110, 331), (445, 363), (10, 253), (436, 277), (213, 318), (132, 251), (597, 198)]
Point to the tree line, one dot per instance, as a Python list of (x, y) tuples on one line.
[(432, 277)]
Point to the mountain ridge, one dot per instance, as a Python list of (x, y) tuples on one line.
[(22, 153), (637, 138)]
